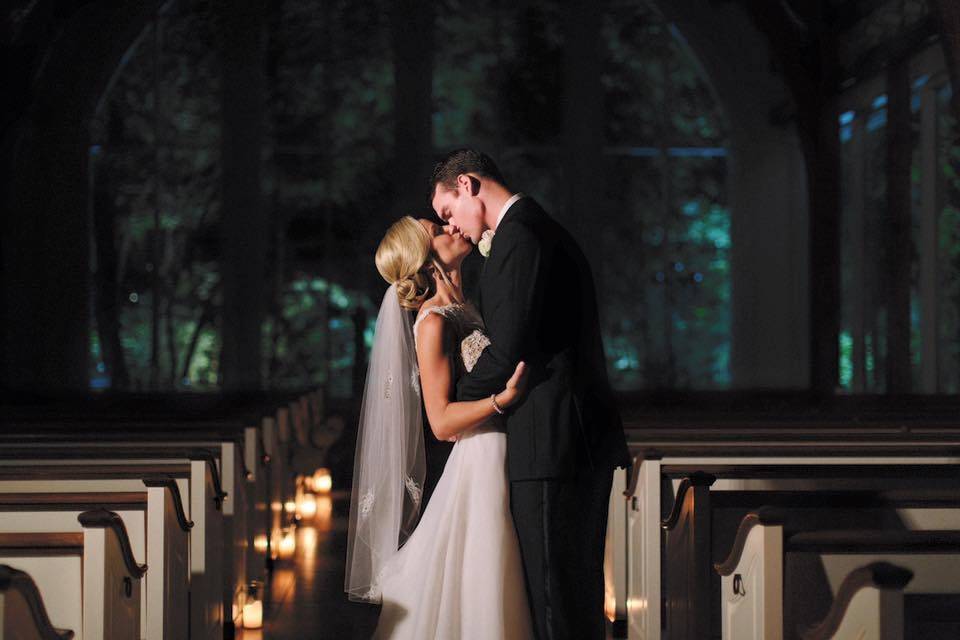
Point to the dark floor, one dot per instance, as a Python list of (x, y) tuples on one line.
[(304, 597)]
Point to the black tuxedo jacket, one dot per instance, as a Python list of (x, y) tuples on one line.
[(539, 305)]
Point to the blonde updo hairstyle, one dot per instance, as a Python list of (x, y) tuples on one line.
[(404, 258)]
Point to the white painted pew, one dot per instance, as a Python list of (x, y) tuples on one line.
[(753, 586), (231, 463), (23, 615), (869, 606), (196, 470), (89, 579), (156, 523), (226, 444), (281, 480), (751, 589), (238, 512), (615, 556), (258, 499), (248, 515), (651, 472)]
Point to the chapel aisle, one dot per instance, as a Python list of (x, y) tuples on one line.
[(304, 599)]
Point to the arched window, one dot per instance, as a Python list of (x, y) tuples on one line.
[(156, 203), (155, 209), (649, 205)]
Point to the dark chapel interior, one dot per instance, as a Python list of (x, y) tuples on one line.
[(192, 193)]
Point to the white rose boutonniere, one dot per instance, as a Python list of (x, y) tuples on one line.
[(486, 241)]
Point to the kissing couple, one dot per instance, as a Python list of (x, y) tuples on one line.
[(511, 543)]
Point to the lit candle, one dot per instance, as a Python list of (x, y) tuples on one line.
[(308, 506), (290, 506), (260, 543), (322, 482), (253, 615)]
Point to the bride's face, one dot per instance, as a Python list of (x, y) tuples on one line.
[(450, 246)]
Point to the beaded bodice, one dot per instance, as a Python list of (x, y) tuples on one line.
[(468, 329)]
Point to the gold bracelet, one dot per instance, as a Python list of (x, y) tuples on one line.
[(496, 407)]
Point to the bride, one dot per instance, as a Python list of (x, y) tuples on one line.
[(458, 573)]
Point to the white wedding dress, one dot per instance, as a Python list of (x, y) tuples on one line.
[(459, 574)]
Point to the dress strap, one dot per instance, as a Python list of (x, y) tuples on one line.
[(445, 312)]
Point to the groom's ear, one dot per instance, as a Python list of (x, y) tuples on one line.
[(471, 183)]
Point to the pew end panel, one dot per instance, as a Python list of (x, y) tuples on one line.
[(168, 591), (751, 581), (206, 543), (644, 612), (615, 558), (89, 579), (688, 554), (112, 579), (869, 604), (23, 615)]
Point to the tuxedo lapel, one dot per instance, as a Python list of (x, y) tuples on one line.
[(518, 209), (504, 228)]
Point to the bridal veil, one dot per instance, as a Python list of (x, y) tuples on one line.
[(389, 466)]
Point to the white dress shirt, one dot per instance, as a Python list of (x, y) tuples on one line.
[(506, 206)]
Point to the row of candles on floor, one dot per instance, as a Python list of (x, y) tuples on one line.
[(312, 504)]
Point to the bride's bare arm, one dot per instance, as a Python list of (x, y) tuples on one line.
[(449, 419)]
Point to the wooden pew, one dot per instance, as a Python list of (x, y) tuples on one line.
[(688, 547), (268, 424), (932, 556), (155, 522), (731, 443), (266, 420), (23, 615), (264, 417), (224, 444), (257, 429), (615, 559), (751, 592), (869, 604), (195, 469), (89, 580), (695, 533), (766, 572)]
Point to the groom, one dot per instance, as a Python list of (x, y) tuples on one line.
[(565, 439)]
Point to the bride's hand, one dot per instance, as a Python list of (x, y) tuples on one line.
[(516, 386)]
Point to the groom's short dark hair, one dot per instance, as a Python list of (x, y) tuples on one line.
[(460, 161)]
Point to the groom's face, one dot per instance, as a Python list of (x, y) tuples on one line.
[(460, 207)]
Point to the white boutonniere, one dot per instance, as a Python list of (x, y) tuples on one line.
[(486, 241)]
